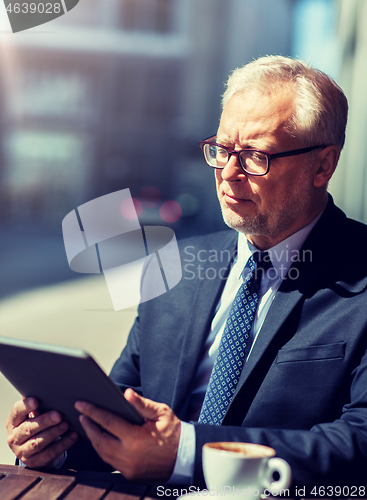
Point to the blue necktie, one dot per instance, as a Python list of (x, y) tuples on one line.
[(230, 358)]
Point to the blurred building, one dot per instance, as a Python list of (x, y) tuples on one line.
[(117, 95), (349, 183)]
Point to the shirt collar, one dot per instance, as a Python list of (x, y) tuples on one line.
[(282, 255)]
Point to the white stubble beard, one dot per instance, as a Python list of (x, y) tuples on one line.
[(297, 204)]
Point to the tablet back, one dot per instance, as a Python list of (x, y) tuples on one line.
[(58, 377)]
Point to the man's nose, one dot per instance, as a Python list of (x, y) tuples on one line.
[(233, 171)]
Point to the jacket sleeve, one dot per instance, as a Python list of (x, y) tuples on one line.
[(126, 370)]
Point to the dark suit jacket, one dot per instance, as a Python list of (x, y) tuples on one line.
[(303, 390)]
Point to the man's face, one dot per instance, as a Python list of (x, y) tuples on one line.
[(269, 208)]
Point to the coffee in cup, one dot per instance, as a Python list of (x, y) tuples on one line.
[(244, 470)]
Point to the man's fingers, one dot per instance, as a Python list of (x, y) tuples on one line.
[(94, 432), (109, 421), (48, 452), (146, 407), (30, 427), (39, 441), (20, 411), (126, 449), (105, 444)]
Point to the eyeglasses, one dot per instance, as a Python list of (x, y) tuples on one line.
[(252, 161)]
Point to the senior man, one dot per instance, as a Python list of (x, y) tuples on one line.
[(288, 322)]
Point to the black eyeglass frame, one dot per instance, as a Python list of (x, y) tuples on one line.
[(269, 156)]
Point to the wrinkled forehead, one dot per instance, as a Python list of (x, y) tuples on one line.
[(253, 115)]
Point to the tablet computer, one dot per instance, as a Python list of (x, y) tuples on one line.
[(58, 377)]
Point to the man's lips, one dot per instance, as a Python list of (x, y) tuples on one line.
[(231, 198)]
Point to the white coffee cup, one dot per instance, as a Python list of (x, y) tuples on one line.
[(244, 470)]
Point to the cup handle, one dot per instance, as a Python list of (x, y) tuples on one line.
[(285, 475)]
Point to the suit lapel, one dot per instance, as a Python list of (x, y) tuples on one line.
[(205, 299)]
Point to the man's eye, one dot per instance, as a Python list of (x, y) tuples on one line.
[(258, 157), (221, 152)]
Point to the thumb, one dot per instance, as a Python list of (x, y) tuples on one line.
[(146, 407)]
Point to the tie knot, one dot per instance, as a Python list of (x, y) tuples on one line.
[(262, 260), (258, 264)]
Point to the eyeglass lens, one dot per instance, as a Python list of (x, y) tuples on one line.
[(252, 162)]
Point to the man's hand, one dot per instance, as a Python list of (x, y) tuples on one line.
[(145, 453), (38, 440)]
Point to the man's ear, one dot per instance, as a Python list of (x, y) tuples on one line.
[(326, 162)]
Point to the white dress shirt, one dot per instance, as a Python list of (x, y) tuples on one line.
[(282, 255)]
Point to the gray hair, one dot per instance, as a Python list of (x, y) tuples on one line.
[(321, 110)]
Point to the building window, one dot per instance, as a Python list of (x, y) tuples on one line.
[(147, 15), (45, 172), (48, 93)]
